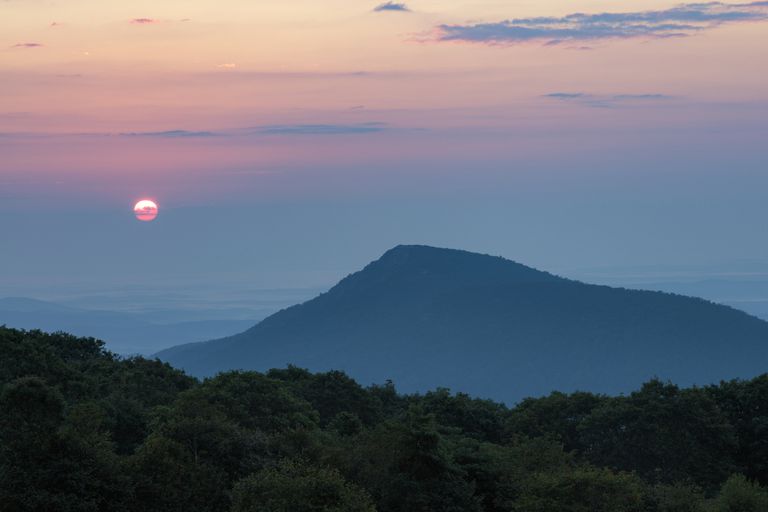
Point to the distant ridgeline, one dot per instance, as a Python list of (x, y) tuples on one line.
[(84, 430), (427, 317)]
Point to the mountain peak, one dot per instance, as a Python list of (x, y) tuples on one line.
[(461, 267)]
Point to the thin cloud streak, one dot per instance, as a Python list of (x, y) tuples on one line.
[(680, 21), (28, 45), (171, 134), (277, 129), (321, 129), (606, 101)]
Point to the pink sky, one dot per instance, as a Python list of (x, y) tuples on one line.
[(542, 109)]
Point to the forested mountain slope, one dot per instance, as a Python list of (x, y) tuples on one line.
[(427, 317)]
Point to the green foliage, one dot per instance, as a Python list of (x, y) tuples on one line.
[(297, 486), (255, 401), (580, 489), (331, 393), (408, 466), (678, 497), (664, 434), (559, 415), (208, 436), (480, 419), (166, 478), (345, 424), (740, 495), (745, 403), (49, 461), (82, 430)]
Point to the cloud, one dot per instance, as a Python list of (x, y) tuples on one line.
[(27, 45), (246, 132), (170, 134), (391, 6), (680, 21), (565, 95), (144, 21), (641, 97), (606, 101), (321, 129), (277, 129)]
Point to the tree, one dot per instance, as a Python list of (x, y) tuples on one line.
[(407, 466), (558, 415), (476, 418), (678, 497), (297, 486), (257, 402), (580, 489), (745, 403), (664, 434), (32, 413), (166, 478), (209, 437), (334, 392), (52, 462), (500, 472), (740, 495)]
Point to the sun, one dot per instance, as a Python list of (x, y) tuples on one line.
[(145, 210)]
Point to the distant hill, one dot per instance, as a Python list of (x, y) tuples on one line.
[(427, 317), (125, 333)]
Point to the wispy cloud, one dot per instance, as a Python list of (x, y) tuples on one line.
[(321, 129), (277, 129), (680, 21), (391, 6), (171, 134), (565, 95), (327, 129), (144, 21), (606, 101), (28, 45)]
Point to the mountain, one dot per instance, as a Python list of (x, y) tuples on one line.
[(427, 317), (123, 332)]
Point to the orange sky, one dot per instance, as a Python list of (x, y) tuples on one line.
[(201, 65)]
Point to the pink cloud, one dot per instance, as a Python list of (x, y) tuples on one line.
[(143, 21), (28, 45)]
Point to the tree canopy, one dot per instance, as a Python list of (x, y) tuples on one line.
[(82, 429)]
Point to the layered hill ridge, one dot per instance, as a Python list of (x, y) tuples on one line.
[(427, 317)]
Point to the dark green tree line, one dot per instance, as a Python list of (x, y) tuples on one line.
[(84, 430)]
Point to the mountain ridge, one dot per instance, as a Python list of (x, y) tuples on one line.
[(426, 317)]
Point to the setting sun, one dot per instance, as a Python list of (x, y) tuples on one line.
[(145, 210)]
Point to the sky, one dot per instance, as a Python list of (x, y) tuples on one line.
[(290, 142)]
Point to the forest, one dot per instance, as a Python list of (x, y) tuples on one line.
[(82, 429)]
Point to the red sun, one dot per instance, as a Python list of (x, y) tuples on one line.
[(145, 210)]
